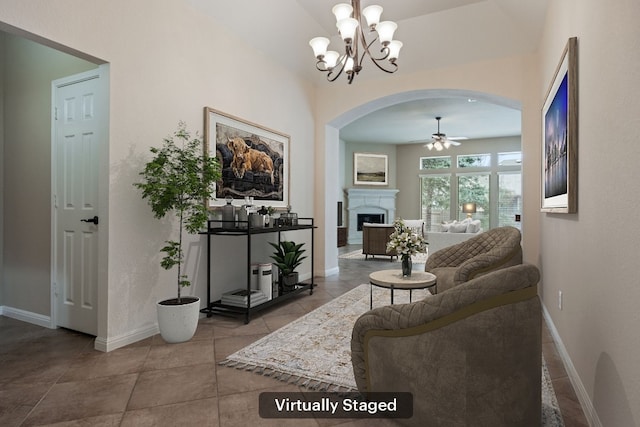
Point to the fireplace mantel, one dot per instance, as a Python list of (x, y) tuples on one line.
[(369, 201)]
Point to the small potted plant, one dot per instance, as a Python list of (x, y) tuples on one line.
[(176, 181), (287, 257)]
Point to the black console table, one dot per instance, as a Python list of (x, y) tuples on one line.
[(216, 307)]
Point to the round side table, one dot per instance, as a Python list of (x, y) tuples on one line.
[(393, 279)]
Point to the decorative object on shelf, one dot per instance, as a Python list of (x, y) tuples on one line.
[(349, 20), (370, 169), (229, 214), (244, 211), (439, 140), (560, 136), (176, 180), (242, 298), (288, 218), (254, 160), (288, 257), (469, 209), (405, 242), (265, 279)]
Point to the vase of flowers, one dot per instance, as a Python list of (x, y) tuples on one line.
[(405, 242)]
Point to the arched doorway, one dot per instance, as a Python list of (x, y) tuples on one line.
[(334, 172)]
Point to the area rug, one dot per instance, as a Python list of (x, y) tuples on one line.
[(314, 351), (419, 258)]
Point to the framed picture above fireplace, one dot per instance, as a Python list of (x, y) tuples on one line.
[(370, 169)]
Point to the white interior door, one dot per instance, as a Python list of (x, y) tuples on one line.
[(76, 149)]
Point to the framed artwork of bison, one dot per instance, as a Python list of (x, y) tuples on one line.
[(254, 160)]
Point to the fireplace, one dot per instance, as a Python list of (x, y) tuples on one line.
[(378, 206), (369, 217)]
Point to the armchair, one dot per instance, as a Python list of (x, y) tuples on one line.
[(494, 249), (470, 355)]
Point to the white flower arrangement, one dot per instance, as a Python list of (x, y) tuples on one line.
[(405, 241)]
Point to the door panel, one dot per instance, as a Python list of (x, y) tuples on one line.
[(76, 144)]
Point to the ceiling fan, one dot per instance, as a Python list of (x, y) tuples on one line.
[(440, 141)]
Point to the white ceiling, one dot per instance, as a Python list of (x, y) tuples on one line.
[(435, 33)]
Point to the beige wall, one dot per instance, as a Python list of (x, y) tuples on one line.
[(592, 256), (158, 77)]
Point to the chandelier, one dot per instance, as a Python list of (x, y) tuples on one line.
[(356, 46)]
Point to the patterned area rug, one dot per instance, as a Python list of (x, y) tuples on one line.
[(420, 258), (315, 350)]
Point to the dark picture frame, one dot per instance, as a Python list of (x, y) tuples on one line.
[(254, 160), (560, 136), (370, 169)]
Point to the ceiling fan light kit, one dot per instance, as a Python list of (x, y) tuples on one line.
[(349, 20), (439, 140)]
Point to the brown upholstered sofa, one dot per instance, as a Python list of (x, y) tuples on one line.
[(471, 355), (494, 249)]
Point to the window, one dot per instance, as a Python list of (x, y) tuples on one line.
[(493, 181), (509, 198), (442, 162), (474, 161), (435, 191), (474, 188), (510, 159)]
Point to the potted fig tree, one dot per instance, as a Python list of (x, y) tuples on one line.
[(177, 180), (287, 257)]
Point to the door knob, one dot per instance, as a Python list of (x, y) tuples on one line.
[(93, 220)]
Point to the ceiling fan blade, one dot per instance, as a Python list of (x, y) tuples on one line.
[(452, 142)]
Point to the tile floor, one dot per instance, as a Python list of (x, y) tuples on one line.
[(55, 377)]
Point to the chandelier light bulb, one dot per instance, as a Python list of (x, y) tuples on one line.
[(342, 11), (319, 46), (347, 28), (394, 49), (372, 15), (385, 31), (349, 65), (331, 59)]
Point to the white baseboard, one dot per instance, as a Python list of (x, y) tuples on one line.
[(331, 272), (576, 382), (26, 316), (110, 344)]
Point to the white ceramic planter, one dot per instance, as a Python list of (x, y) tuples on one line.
[(178, 323)]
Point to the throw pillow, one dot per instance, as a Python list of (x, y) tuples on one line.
[(473, 226), (458, 228)]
